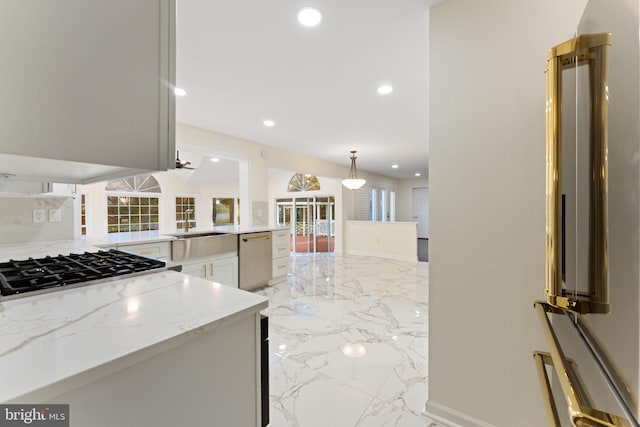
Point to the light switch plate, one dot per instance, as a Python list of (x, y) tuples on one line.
[(55, 215), (39, 215)]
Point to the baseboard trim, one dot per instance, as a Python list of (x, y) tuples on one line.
[(450, 417), (382, 255)]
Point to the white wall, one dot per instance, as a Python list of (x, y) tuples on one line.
[(16, 220), (393, 240), (261, 159), (487, 205), (173, 184)]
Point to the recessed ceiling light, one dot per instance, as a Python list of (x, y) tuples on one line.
[(215, 159), (179, 92), (417, 174), (269, 123), (394, 166), (309, 16), (385, 90)]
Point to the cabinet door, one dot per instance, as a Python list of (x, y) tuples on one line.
[(197, 269), (89, 81), (225, 271)]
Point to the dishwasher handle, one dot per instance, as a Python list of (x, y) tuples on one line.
[(246, 239)]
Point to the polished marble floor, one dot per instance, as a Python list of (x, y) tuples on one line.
[(348, 343)]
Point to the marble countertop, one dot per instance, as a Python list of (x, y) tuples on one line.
[(233, 229), (55, 342), (133, 238), (20, 251)]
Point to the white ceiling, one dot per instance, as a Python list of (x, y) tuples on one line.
[(244, 61)]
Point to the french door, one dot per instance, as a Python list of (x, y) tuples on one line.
[(311, 222)]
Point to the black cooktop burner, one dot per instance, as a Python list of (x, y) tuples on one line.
[(17, 277)]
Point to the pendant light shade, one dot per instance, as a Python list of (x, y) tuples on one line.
[(353, 182)]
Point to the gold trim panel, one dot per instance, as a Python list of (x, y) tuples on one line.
[(591, 50)]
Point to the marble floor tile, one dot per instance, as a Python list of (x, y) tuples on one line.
[(348, 341)]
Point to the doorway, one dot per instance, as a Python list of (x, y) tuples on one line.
[(311, 222), (420, 210)]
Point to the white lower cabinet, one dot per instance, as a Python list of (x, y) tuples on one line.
[(220, 268), (281, 251)]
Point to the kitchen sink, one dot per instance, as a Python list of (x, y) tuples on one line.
[(202, 245)]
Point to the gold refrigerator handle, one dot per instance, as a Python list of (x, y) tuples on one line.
[(591, 50), (578, 401)]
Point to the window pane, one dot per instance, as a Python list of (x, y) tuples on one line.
[(131, 213)]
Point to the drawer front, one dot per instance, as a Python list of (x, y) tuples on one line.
[(151, 250), (280, 266), (281, 237), (280, 251)]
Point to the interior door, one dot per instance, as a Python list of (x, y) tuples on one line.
[(420, 210)]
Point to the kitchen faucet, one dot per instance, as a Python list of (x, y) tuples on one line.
[(186, 219)]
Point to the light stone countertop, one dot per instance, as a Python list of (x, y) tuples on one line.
[(231, 229), (55, 342), (21, 251)]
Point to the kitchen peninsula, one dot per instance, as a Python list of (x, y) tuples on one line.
[(159, 349)]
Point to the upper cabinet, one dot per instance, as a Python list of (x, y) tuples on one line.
[(87, 88)]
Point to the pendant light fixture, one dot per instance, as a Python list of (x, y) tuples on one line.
[(353, 182)]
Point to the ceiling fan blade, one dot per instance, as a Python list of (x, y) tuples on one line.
[(182, 164)]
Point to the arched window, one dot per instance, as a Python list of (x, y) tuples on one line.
[(302, 182), (135, 184), (132, 204)]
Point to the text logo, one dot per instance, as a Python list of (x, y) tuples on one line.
[(34, 415)]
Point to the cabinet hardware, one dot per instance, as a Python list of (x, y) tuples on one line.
[(247, 239)]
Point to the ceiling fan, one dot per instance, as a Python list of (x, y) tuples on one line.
[(182, 164)]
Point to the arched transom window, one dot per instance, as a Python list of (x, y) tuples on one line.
[(135, 184), (303, 182)]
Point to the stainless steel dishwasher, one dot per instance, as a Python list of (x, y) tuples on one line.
[(255, 260)]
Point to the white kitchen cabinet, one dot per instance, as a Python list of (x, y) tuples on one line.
[(220, 268), (89, 82), (157, 250), (281, 242)]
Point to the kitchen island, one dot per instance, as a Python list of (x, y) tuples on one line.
[(160, 349)]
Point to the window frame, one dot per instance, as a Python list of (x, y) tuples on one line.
[(179, 219), (152, 226)]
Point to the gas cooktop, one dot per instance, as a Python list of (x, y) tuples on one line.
[(31, 276)]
